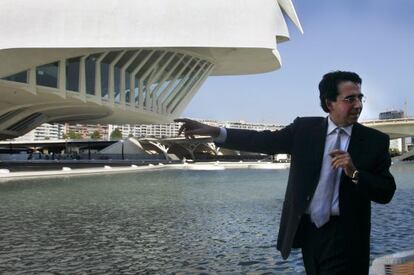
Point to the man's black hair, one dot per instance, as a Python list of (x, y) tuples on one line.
[(328, 87)]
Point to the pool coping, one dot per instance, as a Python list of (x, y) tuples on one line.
[(6, 176)]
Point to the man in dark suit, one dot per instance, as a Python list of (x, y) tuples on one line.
[(338, 167)]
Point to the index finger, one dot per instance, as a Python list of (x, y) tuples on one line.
[(182, 120), (336, 152), (181, 129)]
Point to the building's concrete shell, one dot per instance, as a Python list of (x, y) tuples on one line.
[(130, 61)]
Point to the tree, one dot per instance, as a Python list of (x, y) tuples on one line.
[(96, 135), (72, 135), (394, 152), (116, 134)]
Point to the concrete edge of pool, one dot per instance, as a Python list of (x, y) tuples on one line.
[(6, 176)]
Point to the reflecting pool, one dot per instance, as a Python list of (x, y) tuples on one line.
[(168, 221)]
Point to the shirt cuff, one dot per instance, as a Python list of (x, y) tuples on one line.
[(221, 138)]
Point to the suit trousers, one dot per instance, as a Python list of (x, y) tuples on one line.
[(323, 249)]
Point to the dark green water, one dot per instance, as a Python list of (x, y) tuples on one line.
[(168, 221)]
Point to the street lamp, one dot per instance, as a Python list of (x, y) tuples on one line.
[(122, 149)]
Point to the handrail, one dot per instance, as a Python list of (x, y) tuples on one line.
[(394, 120)]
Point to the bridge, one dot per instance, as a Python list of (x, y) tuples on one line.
[(138, 61), (395, 128)]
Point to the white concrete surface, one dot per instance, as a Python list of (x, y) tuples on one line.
[(143, 39), (107, 169)]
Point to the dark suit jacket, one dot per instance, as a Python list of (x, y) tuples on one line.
[(304, 140)]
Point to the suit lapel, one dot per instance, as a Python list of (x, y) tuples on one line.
[(355, 146), (318, 138), (356, 142)]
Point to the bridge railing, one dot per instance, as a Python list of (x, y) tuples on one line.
[(394, 120)]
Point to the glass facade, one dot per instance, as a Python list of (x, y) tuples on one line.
[(19, 77), (47, 75), (90, 70), (127, 87), (117, 84), (72, 74), (105, 66), (136, 92), (104, 80)]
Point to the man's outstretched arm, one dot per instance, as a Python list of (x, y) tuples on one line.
[(268, 142), (190, 128)]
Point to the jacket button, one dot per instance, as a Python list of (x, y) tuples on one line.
[(308, 198)]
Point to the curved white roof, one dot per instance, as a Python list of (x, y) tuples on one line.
[(129, 61), (240, 35)]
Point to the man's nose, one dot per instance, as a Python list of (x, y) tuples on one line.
[(358, 103)]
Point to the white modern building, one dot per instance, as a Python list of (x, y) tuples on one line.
[(148, 130), (45, 131), (130, 61), (244, 125), (56, 131), (86, 130), (169, 130)]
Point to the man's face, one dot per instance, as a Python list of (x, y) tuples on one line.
[(348, 105)]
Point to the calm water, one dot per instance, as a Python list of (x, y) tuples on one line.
[(169, 221)]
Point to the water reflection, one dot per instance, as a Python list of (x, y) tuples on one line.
[(170, 221)]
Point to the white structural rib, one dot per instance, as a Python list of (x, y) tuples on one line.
[(170, 85), (82, 79), (194, 89), (123, 85), (188, 85), (133, 61), (62, 78), (111, 85), (98, 81), (173, 95), (282, 31), (167, 75), (288, 7)]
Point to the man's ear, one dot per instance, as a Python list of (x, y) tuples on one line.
[(328, 104)]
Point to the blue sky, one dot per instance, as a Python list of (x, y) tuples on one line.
[(374, 38)]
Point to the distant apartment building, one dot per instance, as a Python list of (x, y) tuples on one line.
[(86, 130), (148, 130), (45, 131), (171, 129), (243, 125)]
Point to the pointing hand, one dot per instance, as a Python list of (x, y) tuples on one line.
[(191, 127)]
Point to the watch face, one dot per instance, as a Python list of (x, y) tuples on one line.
[(355, 174)]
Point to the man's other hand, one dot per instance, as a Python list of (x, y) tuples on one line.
[(342, 159), (191, 127)]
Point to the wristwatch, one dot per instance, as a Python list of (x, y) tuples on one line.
[(355, 176)]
